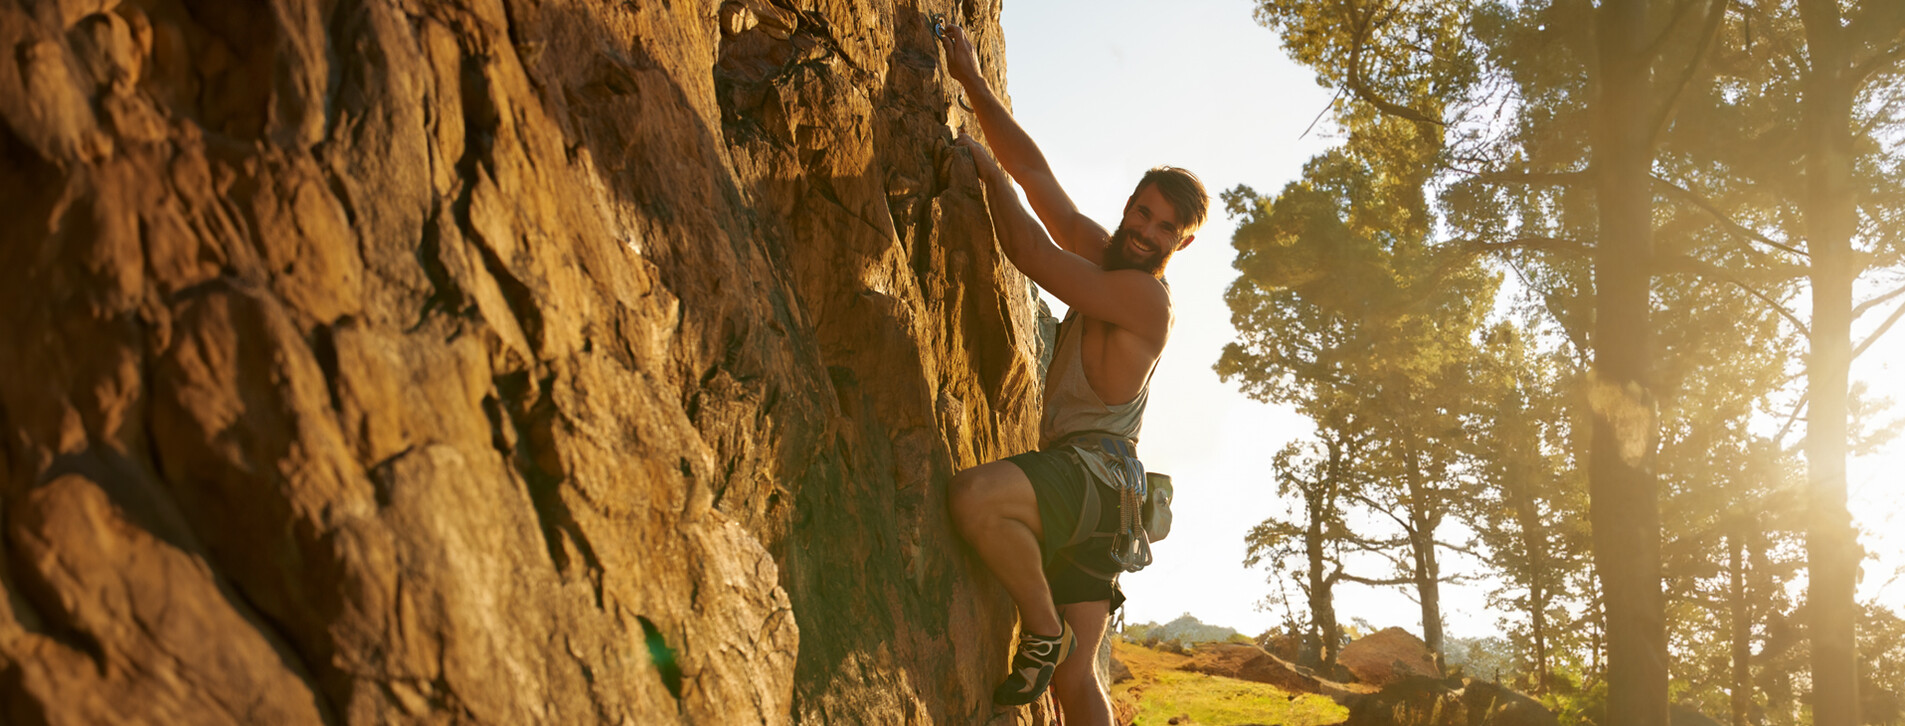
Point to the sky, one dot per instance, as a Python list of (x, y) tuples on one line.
[(1110, 88)]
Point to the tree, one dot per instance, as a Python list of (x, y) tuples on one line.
[(1528, 508), (1315, 544), (1343, 311), (1840, 53), (1641, 154)]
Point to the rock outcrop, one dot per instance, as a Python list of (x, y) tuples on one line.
[(1251, 663), (1419, 701), (1387, 656), (490, 361)]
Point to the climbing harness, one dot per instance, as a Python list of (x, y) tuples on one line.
[(1144, 503)]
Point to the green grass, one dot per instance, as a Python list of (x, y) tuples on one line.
[(1163, 693), (1218, 701)]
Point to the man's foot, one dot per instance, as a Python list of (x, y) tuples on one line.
[(1032, 667)]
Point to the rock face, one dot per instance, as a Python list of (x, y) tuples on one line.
[(496, 362), (1387, 656)]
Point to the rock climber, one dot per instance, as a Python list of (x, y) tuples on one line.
[(1022, 514)]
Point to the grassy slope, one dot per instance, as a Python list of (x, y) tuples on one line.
[(1162, 692)]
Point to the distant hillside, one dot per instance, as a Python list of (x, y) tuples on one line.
[(1184, 631)]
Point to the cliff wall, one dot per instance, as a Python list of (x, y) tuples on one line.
[(483, 361)]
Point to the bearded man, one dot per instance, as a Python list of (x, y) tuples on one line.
[(1023, 514)]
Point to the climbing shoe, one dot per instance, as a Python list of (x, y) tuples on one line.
[(1032, 667)]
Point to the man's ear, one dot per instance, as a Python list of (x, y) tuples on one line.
[(1186, 242)]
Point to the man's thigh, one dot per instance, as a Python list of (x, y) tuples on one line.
[(1000, 488)]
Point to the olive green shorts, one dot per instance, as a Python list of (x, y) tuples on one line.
[(1059, 481)]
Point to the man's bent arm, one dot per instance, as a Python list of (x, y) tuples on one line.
[(1128, 299), (1021, 157)]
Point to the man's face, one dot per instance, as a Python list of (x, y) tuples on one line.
[(1148, 235)]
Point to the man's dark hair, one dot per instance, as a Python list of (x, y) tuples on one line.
[(1185, 193)]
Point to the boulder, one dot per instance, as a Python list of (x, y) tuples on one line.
[(1410, 701), (1419, 701), (1492, 704), (497, 362), (1119, 672), (1388, 656), (1250, 663)]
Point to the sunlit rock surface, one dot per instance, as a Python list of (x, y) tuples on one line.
[(496, 362)]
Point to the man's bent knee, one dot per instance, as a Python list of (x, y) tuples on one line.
[(991, 494), (965, 496)]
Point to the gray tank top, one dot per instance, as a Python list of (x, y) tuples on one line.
[(1071, 407)]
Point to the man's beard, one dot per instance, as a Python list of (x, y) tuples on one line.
[(1118, 255)]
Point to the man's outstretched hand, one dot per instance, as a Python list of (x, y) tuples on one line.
[(982, 161), (961, 62)]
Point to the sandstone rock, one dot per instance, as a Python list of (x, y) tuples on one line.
[(497, 362), (1491, 704), (1387, 656), (1419, 701), (1250, 663), (1410, 701)]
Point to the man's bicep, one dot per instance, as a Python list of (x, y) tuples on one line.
[(1070, 228), (1127, 299)]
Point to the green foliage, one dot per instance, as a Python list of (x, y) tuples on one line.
[(1577, 706), (1491, 658), (1345, 312), (1467, 156)]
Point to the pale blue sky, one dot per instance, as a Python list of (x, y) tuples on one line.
[(1110, 88)]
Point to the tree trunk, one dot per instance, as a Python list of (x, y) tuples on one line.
[(1832, 554), (1322, 587), (1624, 505), (1538, 623), (1534, 541), (1428, 588), (1742, 617), (1322, 601), (1423, 519)]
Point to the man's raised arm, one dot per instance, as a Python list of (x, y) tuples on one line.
[(1128, 299), (1020, 157)]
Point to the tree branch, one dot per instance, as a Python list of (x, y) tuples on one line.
[(1691, 197), (1460, 548), (1887, 325), (1659, 41), (1702, 269), (1319, 115), (1533, 178), (1355, 80), (1665, 115), (1872, 66), (1556, 245), (1378, 583), (1860, 309), (1792, 418), (1380, 508)]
